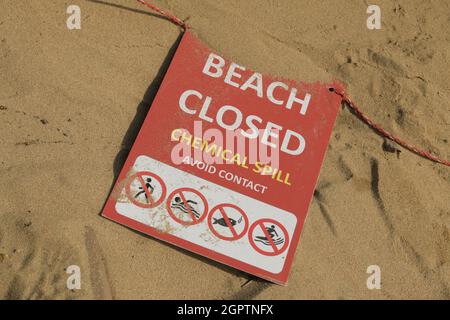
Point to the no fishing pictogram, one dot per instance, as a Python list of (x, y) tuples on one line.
[(228, 222), (187, 206), (145, 189), (268, 237)]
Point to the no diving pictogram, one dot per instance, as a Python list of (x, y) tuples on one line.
[(187, 206), (268, 237), (228, 222), (145, 189)]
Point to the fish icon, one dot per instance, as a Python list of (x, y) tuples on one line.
[(185, 207), (223, 223)]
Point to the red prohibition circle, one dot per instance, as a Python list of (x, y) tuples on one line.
[(275, 251), (152, 202), (235, 235), (194, 219)]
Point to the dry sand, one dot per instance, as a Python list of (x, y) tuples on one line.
[(72, 102)]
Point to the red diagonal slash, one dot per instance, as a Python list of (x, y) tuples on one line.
[(188, 207), (152, 202), (147, 192), (221, 208), (227, 221), (181, 193), (268, 237), (276, 250)]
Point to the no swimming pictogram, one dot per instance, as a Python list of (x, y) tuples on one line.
[(228, 222), (187, 206), (268, 237), (145, 189)]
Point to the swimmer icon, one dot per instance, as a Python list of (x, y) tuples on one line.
[(187, 206)]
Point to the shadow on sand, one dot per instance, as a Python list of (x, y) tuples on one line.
[(130, 136)]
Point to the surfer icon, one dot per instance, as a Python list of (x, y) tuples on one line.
[(276, 239), (185, 207), (148, 186), (223, 223)]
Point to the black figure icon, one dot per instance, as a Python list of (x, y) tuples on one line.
[(178, 203), (276, 239), (223, 223), (149, 188)]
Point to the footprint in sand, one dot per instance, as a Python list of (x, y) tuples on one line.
[(32, 267)]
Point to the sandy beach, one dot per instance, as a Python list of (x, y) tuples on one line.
[(72, 103)]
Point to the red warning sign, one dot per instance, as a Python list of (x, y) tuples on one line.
[(268, 237), (244, 143), (146, 189), (228, 222), (187, 206)]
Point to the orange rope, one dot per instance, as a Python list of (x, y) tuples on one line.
[(344, 97), (166, 14), (387, 134)]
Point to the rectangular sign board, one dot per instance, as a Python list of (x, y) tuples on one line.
[(226, 162)]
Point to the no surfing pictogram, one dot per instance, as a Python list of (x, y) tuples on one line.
[(268, 237), (145, 189), (187, 206), (228, 222)]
